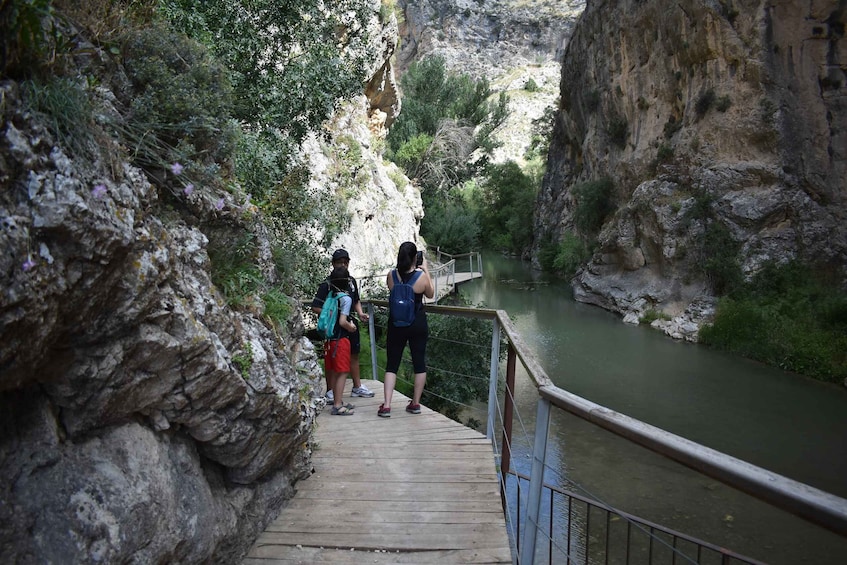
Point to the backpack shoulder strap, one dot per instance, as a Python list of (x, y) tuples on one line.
[(415, 277), (395, 277)]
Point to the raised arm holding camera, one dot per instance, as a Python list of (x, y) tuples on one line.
[(407, 323)]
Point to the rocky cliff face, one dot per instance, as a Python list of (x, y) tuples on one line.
[(508, 42), (142, 419), (726, 117)]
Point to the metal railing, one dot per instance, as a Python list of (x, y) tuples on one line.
[(442, 270), (819, 507), (473, 258), (593, 532), (443, 277)]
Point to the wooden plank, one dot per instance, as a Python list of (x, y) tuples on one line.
[(403, 537), (322, 518), (307, 555), (297, 505), (409, 489)]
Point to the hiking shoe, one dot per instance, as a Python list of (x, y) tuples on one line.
[(329, 396), (383, 412), (413, 408), (341, 411), (362, 391)]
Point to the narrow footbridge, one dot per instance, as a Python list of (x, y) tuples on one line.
[(412, 488), (449, 271)]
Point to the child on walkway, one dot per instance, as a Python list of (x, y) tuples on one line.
[(337, 349)]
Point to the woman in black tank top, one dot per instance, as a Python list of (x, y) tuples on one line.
[(415, 334)]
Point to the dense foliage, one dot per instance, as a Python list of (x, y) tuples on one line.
[(505, 203), (442, 139), (790, 316), (593, 205), (212, 101), (455, 381)]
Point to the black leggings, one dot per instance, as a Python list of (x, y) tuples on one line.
[(416, 335)]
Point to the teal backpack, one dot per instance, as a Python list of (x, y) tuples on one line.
[(328, 319)]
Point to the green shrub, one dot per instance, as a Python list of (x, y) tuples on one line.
[(593, 205), (531, 85), (453, 224), (411, 154), (664, 154), (723, 103), (547, 251), (671, 127), (571, 254), (234, 270), (652, 315), (467, 380), (788, 316), (244, 361), (27, 34), (278, 306), (592, 100), (181, 95), (720, 259), (704, 102), (618, 130)]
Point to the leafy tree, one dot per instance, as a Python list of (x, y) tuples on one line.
[(412, 153), (453, 224), (455, 111), (291, 62), (505, 204)]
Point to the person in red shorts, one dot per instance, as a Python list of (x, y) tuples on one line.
[(337, 349)]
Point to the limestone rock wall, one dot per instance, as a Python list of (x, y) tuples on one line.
[(131, 427), (127, 427), (736, 106)]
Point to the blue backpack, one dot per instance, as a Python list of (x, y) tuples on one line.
[(401, 300), (328, 319)]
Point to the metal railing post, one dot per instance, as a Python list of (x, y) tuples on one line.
[(492, 378), (508, 416), (536, 481), (372, 334)]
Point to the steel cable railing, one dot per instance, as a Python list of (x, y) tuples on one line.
[(524, 508), (507, 447)]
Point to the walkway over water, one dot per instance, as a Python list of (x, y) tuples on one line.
[(449, 271), (406, 489)]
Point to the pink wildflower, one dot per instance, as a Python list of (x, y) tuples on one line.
[(28, 264), (99, 191), (188, 189), (220, 204), (176, 169)]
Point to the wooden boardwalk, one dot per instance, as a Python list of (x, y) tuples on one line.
[(445, 285), (406, 489)]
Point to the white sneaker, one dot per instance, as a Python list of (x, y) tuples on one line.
[(362, 391), (329, 396)]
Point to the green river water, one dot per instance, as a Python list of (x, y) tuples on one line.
[(781, 421)]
